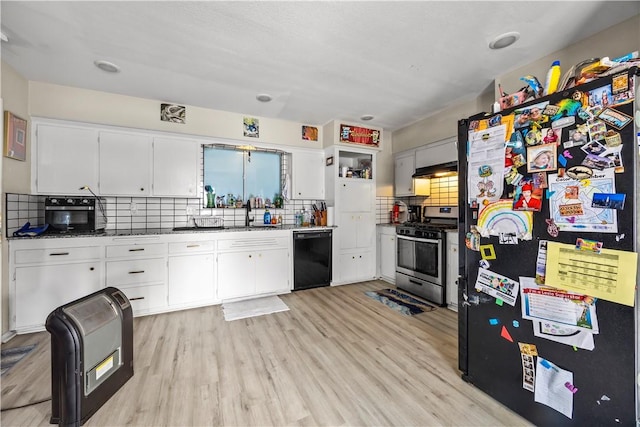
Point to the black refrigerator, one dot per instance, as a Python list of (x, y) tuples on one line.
[(548, 322)]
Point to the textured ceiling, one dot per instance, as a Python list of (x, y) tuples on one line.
[(398, 61)]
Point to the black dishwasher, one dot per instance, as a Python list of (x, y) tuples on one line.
[(311, 259)]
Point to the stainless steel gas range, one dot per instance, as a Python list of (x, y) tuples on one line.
[(421, 256)]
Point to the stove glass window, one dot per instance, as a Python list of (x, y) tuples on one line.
[(427, 258)]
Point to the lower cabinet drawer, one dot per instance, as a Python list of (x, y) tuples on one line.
[(136, 271), (26, 256), (146, 298)]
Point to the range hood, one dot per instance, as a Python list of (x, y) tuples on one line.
[(431, 171)]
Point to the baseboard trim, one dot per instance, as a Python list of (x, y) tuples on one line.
[(7, 336)]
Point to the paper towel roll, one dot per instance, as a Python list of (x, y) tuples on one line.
[(329, 216)]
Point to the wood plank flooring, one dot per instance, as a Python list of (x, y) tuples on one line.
[(337, 358)]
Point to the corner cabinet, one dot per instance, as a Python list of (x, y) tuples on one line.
[(65, 158), (46, 274), (351, 189)]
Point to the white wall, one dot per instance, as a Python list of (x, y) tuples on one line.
[(614, 41), (15, 174)]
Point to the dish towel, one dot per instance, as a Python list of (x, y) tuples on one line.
[(286, 186)]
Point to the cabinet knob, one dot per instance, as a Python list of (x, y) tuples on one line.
[(142, 189), (249, 256), (91, 269)]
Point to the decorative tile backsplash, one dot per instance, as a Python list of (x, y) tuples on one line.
[(444, 192), (127, 213)]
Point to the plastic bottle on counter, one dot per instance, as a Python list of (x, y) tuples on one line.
[(553, 78), (267, 216)]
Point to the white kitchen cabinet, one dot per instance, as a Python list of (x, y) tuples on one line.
[(137, 266), (356, 195), (357, 266), (357, 230), (350, 185), (437, 153), (66, 158), (452, 270), (404, 183), (253, 263), (175, 167), (270, 265), (308, 175), (125, 164), (387, 253), (48, 274), (191, 280)]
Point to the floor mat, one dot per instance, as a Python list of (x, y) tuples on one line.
[(11, 356), (252, 308), (400, 302)]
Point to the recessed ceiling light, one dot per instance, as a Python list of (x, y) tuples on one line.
[(504, 40), (263, 97), (366, 117), (107, 66)]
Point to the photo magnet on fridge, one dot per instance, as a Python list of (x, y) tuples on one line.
[(608, 201)]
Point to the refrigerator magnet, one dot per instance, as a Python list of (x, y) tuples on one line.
[(552, 228), (614, 118), (608, 200), (487, 252), (588, 245)]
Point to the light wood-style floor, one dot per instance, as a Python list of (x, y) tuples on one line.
[(337, 358)]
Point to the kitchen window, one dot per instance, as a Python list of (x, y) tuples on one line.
[(243, 173)]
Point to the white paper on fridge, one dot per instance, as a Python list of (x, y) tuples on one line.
[(554, 387), (558, 306), (497, 286), (563, 334), (485, 159)]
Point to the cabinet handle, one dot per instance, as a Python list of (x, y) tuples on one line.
[(59, 253), (135, 299), (193, 246), (136, 250), (136, 272)]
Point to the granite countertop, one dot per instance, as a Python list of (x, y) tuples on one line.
[(178, 230)]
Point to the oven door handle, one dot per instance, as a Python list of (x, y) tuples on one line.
[(417, 239)]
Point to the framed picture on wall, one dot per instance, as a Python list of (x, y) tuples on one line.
[(15, 136)]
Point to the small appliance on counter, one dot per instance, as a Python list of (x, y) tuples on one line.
[(398, 213), (74, 214), (414, 213)]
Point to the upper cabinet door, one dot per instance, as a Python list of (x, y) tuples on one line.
[(125, 164), (66, 159), (308, 175), (437, 153), (404, 168), (175, 167)]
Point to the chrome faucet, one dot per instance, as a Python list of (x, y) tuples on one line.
[(247, 220)]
